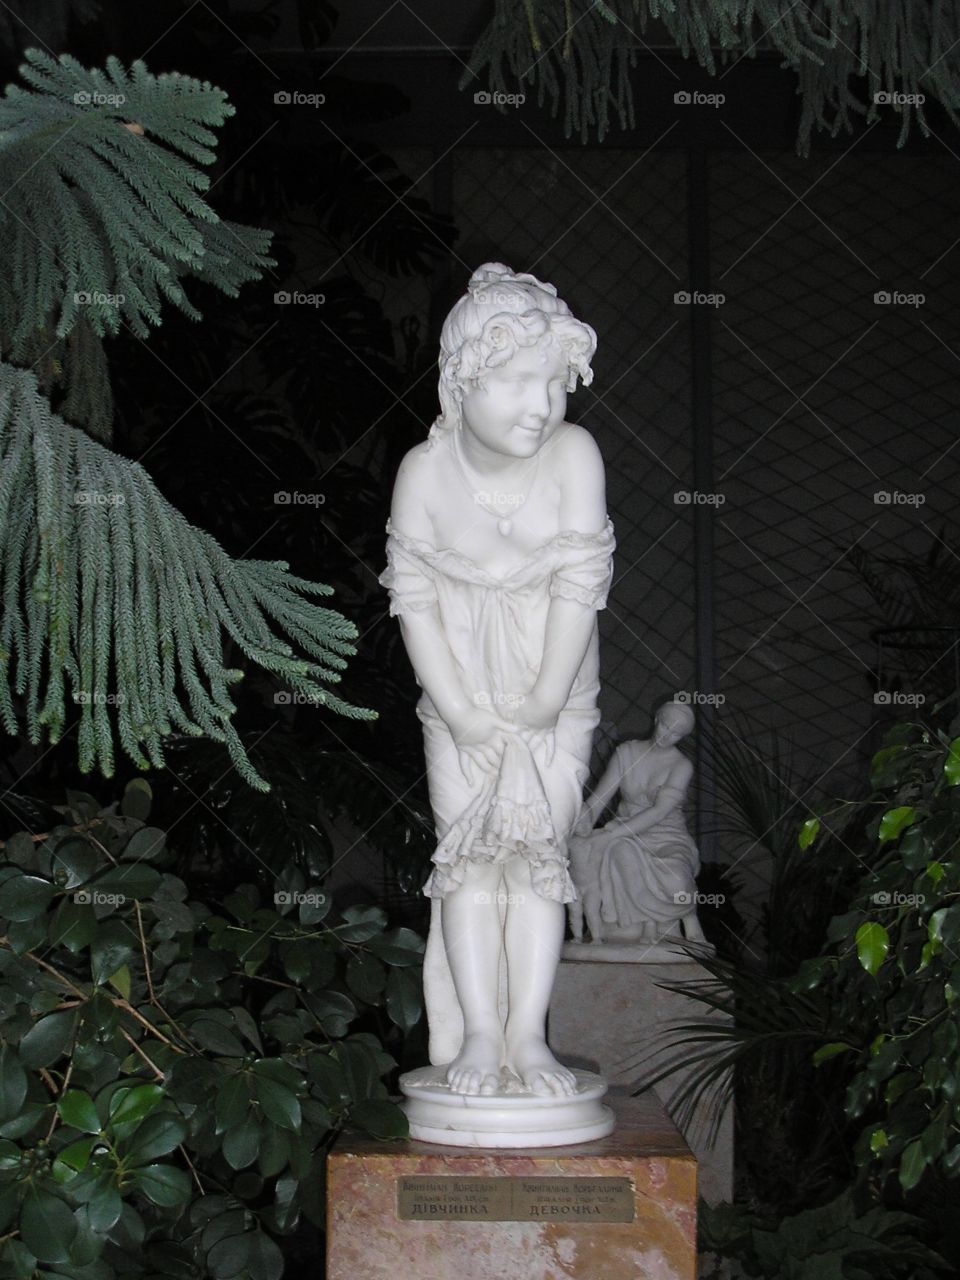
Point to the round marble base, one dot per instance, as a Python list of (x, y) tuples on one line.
[(510, 1118), (661, 952)]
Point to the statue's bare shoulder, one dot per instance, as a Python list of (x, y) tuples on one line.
[(577, 469), (416, 477)]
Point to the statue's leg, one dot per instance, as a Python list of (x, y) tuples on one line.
[(691, 927), (533, 936), (472, 938)]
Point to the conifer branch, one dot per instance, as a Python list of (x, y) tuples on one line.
[(583, 51), (103, 215), (113, 602)]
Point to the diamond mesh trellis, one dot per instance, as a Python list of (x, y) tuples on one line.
[(876, 417), (819, 399), (603, 227)]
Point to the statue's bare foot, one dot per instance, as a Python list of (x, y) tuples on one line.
[(530, 1059), (476, 1068)]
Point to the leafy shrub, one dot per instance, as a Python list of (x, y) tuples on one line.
[(892, 972), (173, 1071)]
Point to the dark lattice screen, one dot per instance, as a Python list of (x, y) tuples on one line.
[(604, 228), (815, 399)]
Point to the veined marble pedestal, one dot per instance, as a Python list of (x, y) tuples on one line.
[(622, 1207), (605, 1015)]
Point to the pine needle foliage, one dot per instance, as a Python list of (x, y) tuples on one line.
[(103, 215), (583, 50), (108, 589)]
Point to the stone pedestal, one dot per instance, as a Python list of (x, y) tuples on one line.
[(621, 1206), (606, 1016)]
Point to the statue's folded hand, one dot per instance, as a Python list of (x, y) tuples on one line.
[(479, 736)]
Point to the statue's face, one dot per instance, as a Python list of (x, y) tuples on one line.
[(521, 404), (669, 730)]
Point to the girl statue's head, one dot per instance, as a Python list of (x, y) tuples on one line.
[(500, 313)]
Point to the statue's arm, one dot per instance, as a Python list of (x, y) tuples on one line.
[(670, 796), (422, 628), (570, 623), (605, 790)]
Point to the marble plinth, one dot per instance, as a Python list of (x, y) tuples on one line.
[(505, 1119), (614, 1018), (516, 1225)]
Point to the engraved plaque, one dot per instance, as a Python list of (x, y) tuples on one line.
[(527, 1199)]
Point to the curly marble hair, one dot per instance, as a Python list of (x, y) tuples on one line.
[(501, 312)]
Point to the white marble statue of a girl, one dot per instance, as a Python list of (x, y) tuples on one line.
[(636, 876), (499, 556)]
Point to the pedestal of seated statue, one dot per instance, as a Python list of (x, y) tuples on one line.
[(609, 1013), (619, 1206)]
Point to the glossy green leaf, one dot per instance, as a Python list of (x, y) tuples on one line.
[(76, 1109), (951, 766), (112, 947), (380, 1117), (873, 943), (894, 821), (164, 1184), (241, 1145), (47, 1225), (135, 1103), (808, 833), (404, 998), (47, 1039), (251, 1254), (137, 799), (366, 977), (158, 1135), (912, 1164), (213, 1035), (24, 897), (828, 1051), (279, 1104), (76, 859), (233, 1101), (145, 845), (361, 923)]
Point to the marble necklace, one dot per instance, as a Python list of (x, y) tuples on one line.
[(475, 485)]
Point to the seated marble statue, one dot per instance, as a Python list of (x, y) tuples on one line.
[(636, 876), (498, 557)]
